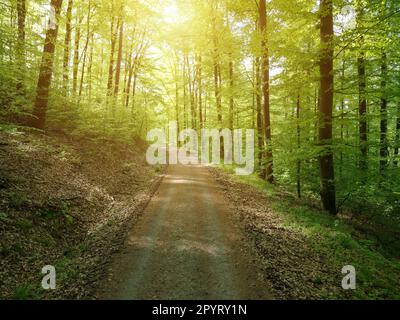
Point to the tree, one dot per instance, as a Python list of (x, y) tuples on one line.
[(328, 193), (21, 10), (75, 68), (362, 100), (383, 149), (46, 68), (67, 45), (119, 59), (265, 91), (114, 33)]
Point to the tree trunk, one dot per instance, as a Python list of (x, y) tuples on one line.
[(135, 77), (76, 56), (191, 94), (177, 97), (129, 80), (200, 88), (253, 95), (328, 193), (21, 11), (217, 76), (383, 151), (119, 61), (362, 100), (265, 91), (298, 147), (231, 96), (260, 126), (342, 103), (88, 35), (46, 70), (114, 32), (397, 142), (90, 67), (185, 117), (67, 46), (362, 112)]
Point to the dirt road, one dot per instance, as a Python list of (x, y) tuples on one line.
[(186, 246)]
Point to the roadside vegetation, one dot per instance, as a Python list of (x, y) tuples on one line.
[(368, 242)]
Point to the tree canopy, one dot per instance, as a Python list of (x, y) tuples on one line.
[(318, 80)]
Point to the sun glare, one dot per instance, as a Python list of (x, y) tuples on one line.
[(171, 13)]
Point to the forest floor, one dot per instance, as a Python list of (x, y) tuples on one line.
[(66, 202), (115, 227)]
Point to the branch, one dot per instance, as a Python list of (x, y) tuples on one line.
[(368, 29)]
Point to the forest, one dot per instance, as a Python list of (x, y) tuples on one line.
[(317, 80)]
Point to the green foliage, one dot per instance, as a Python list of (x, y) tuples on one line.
[(18, 200), (55, 208), (66, 269), (27, 292), (24, 224)]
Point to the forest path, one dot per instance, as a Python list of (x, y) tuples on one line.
[(187, 245)]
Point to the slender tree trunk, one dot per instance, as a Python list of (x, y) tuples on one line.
[(83, 70), (342, 103), (128, 75), (328, 193), (127, 63), (205, 107), (231, 96), (217, 94), (185, 117), (129, 81), (135, 77), (76, 56), (177, 98), (362, 112), (217, 76), (135, 69), (298, 147), (220, 117), (217, 83), (260, 126), (10, 41), (191, 93), (46, 70), (85, 51), (253, 94), (90, 67), (200, 88), (119, 60), (397, 142), (317, 107), (67, 46), (110, 81), (265, 91), (362, 100), (21, 11), (384, 152)]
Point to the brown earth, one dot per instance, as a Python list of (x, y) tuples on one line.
[(187, 245), (286, 256), (67, 202)]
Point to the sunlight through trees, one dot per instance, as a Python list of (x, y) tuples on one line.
[(317, 80)]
